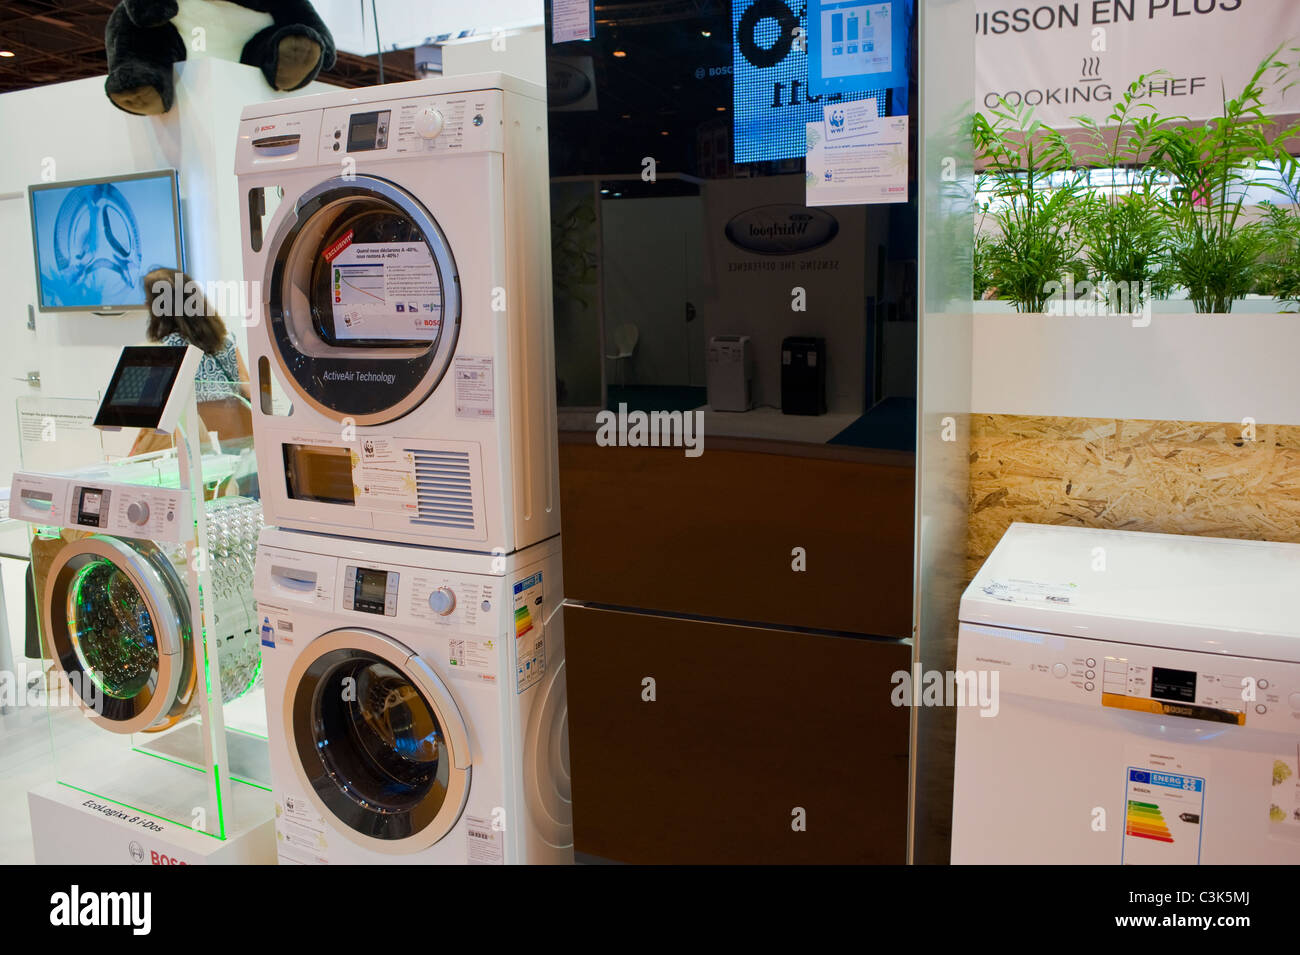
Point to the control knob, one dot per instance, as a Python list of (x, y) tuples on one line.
[(428, 122), (442, 601), (137, 512)]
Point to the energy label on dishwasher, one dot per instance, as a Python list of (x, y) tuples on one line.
[(1163, 812)]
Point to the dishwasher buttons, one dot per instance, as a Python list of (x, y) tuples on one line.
[(1059, 670), (1261, 709), (1089, 686)]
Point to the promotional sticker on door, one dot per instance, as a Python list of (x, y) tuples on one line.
[(382, 290), (383, 475)]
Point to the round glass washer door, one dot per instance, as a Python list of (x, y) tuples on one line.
[(115, 624), (362, 300), (377, 741)]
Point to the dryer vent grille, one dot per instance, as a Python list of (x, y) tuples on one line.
[(444, 489)]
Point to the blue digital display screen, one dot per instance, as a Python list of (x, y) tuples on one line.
[(96, 241), (857, 43), (771, 99)]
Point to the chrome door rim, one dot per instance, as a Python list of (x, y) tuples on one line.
[(163, 611), (339, 189), (437, 695)]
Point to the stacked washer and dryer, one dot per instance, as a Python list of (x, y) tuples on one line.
[(409, 578)]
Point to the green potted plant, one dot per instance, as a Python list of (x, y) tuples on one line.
[(1032, 244), (1123, 228), (1216, 247)]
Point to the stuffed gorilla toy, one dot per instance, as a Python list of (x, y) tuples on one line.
[(143, 42)]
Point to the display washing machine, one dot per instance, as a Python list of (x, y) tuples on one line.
[(405, 312), (110, 573), (416, 701), (1146, 707)]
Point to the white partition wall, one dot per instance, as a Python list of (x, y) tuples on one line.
[(946, 173), (73, 132)]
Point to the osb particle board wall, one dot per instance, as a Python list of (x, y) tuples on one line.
[(1174, 477)]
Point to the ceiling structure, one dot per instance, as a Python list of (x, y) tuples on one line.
[(54, 41)]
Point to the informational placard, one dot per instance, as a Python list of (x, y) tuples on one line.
[(572, 20), (1078, 57), (383, 475), (474, 387), (384, 290), (855, 157)]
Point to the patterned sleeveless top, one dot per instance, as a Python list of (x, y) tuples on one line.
[(218, 375)]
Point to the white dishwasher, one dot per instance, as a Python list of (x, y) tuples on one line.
[(1147, 705)]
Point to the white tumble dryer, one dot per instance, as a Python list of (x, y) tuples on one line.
[(416, 702), (1129, 698), (404, 311)]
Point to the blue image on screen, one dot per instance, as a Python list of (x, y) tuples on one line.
[(771, 100), (855, 43), (95, 242)]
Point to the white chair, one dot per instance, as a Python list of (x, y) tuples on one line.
[(625, 339)]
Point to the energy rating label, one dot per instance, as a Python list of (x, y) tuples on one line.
[(530, 635), (1163, 813)]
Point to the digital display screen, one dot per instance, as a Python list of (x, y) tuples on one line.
[(96, 241), (372, 585), (90, 501), (857, 43), (771, 99), (1178, 686), (368, 131), (141, 385)]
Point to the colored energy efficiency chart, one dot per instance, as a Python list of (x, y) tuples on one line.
[(1162, 818), (1143, 819)]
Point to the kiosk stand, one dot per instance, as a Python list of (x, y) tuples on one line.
[(158, 723)]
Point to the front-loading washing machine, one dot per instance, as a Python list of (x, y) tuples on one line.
[(109, 571), (1129, 698), (415, 701), (404, 312)]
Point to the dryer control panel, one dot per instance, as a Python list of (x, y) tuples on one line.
[(113, 507)]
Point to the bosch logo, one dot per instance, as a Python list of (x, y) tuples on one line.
[(137, 852)]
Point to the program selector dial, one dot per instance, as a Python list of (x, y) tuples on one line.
[(442, 601), (137, 512), (428, 122)]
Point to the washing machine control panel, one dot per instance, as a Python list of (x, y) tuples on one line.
[(370, 590), (125, 510), (460, 122), (463, 603)]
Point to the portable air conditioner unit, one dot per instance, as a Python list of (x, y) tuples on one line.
[(730, 377)]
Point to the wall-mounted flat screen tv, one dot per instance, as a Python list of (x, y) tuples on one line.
[(96, 239)]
